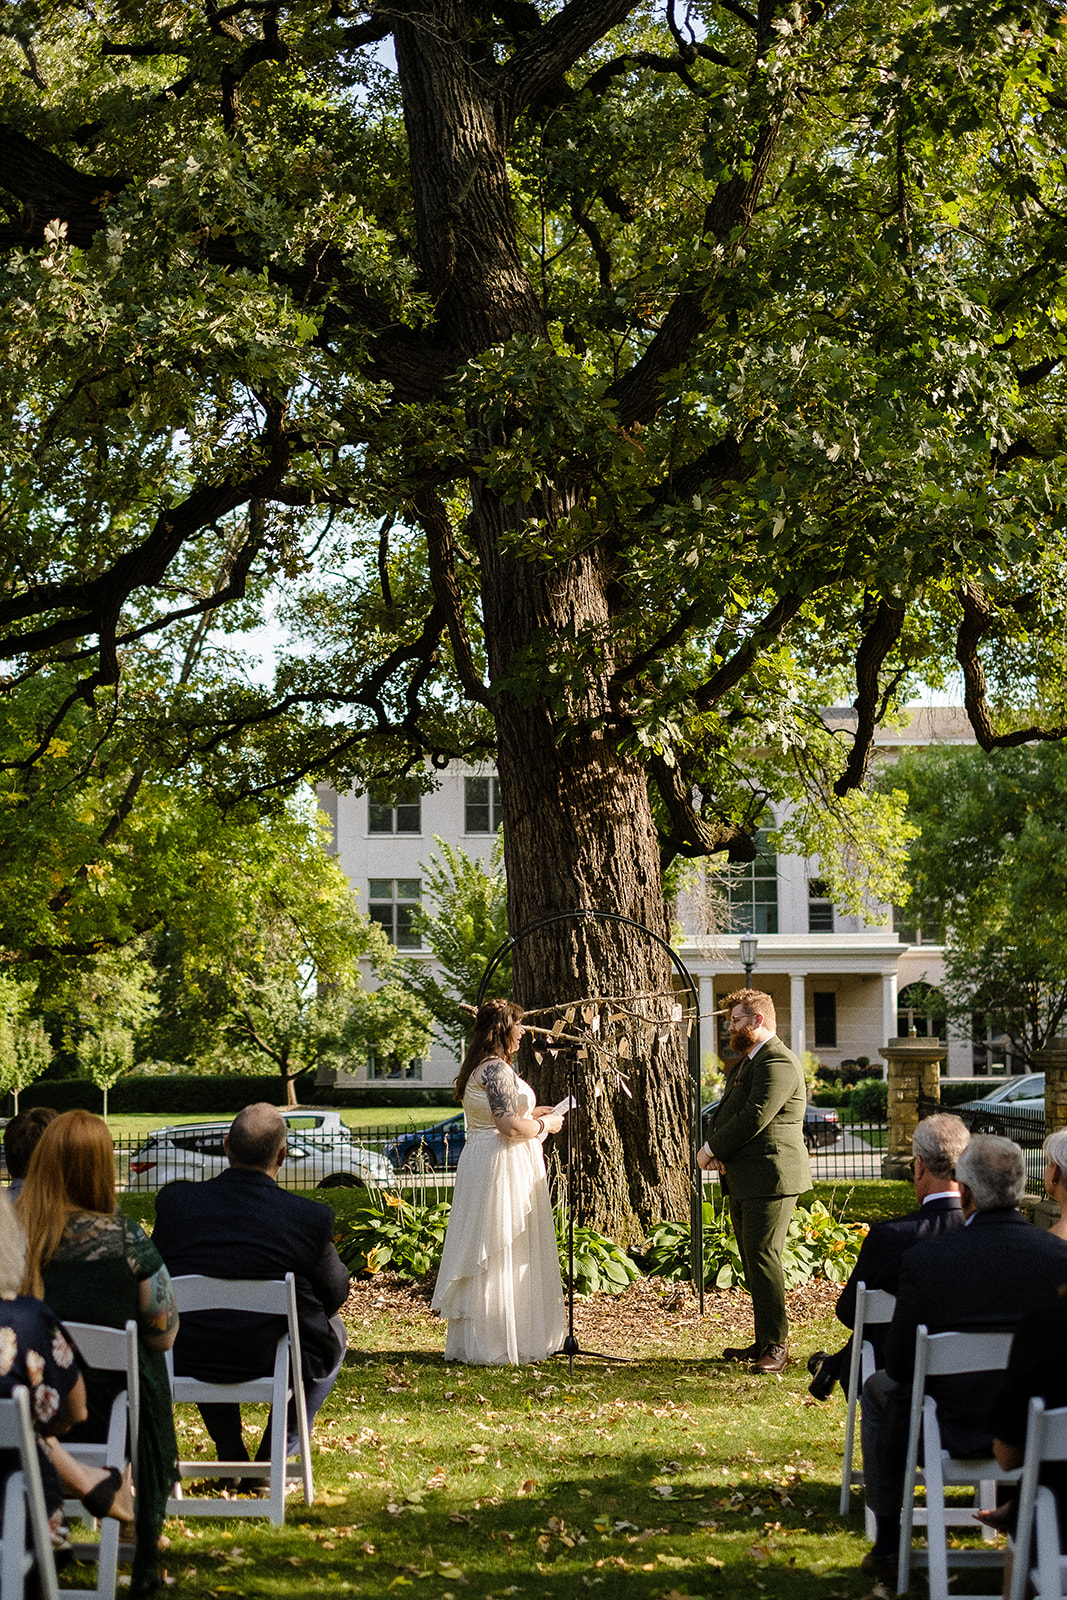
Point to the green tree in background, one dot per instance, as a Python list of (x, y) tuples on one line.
[(990, 867), (25, 1049), (468, 924), (607, 389)]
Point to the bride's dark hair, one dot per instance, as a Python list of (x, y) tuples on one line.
[(493, 1021)]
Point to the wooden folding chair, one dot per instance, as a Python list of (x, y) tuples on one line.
[(1046, 1440), (195, 1293), (874, 1307), (23, 1502), (105, 1349), (943, 1355)]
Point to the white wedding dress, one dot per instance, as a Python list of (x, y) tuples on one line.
[(499, 1283)]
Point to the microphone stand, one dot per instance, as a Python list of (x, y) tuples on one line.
[(570, 1347)]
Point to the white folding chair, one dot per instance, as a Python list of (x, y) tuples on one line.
[(24, 1501), (1046, 1440), (265, 1296), (873, 1307), (941, 1355), (104, 1349)]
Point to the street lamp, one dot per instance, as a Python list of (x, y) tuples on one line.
[(748, 956)]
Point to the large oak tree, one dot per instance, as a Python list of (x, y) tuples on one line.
[(689, 368)]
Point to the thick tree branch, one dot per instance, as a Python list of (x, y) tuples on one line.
[(556, 47), (731, 672), (434, 521), (975, 622), (690, 834), (877, 642), (638, 393), (97, 604)]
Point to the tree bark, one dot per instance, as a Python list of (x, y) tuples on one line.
[(576, 811)]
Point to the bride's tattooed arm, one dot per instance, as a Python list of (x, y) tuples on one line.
[(499, 1082)]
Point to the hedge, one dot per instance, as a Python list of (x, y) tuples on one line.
[(193, 1094)]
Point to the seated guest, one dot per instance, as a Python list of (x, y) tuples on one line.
[(986, 1275), (1056, 1178), (92, 1264), (35, 1354), (242, 1225), (937, 1144), (20, 1141)]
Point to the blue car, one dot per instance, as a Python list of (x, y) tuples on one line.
[(435, 1149)]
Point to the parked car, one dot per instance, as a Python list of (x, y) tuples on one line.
[(435, 1149), (322, 1155), (820, 1127), (1015, 1108)]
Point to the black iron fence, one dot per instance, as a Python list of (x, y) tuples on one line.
[(396, 1154)]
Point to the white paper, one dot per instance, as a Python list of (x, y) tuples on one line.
[(564, 1106)]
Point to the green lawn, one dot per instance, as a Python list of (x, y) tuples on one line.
[(664, 1476)]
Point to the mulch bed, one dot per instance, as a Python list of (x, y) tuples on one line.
[(652, 1317)]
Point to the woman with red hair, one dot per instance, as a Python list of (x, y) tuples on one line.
[(92, 1264)]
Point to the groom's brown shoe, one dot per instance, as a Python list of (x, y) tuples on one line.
[(772, 1358), (750, 1353)]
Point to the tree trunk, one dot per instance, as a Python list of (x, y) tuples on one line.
[(576, 812)]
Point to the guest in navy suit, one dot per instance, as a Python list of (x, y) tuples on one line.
[(242, 1225), (986, 1275), (937, 1144)]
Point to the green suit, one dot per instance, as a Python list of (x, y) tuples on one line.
[(757, 1132)]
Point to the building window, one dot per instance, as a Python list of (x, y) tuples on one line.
[(481, 805), (391, 903), (403, 817), (921, 1007), (918, 924), (824, 1004), (820, 907), (392, 1067), (753, 891)]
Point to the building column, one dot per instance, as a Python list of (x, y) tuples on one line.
[(913, 1082), (709, 1025), (798, 1033), (889, 1004)]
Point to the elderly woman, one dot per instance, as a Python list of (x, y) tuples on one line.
[(93, 1265), (1056, 1178), (35, 1354)]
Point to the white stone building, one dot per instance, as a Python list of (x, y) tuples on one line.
[(840, 984)]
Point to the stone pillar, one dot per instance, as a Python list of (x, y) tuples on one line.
[(1052, 1061), (798, 1031), (913, 1073)]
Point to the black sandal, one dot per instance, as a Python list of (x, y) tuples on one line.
[(101, 1497)]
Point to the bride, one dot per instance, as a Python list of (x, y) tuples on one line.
[(499, 1281)]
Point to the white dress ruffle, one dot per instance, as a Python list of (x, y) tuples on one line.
[(499, 1282)]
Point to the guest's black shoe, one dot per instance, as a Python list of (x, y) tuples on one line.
[(823, 1371), (748, 1354), (883, 1568)]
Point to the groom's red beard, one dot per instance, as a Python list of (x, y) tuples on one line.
[(742, 1037)]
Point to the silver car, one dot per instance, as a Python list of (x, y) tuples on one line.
[(322, 1155)]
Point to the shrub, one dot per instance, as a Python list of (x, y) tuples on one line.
[(870, 1099), (600, 1265), (385, 1230), (817, 1246)]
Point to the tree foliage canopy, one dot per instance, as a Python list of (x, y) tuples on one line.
[(608, 387), (989, 866), (752, 318)]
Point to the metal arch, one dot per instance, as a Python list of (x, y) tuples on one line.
[(696, 1191)]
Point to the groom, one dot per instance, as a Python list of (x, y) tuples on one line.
[(755, 1142)]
